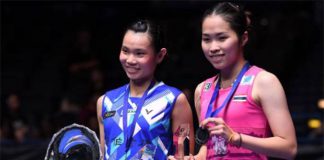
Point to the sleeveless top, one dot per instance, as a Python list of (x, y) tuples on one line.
[(152, 136), (242, 114)]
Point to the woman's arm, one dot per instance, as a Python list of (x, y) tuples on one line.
[(101, 127), (269, 92), (182, 114), (202, 153)]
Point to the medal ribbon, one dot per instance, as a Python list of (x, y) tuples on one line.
[(129, 137), (209, 112)]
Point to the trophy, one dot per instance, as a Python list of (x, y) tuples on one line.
[(74, 142), (179, 138)]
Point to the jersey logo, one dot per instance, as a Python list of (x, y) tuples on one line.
[(207, 86), (118, 141), (109, 114), (247, 80), (148, 111), (131, 111), (240, 98)]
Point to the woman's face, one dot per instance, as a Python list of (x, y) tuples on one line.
[(219, 42), (137, 56)]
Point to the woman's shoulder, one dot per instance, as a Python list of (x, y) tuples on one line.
[(265, 78), (254, 70), (162, 86), (116, 91), (207, 83)]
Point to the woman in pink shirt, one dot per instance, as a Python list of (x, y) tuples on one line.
[(242, 110)]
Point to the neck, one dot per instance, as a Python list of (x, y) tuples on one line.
[(137, 88), (228, 75)]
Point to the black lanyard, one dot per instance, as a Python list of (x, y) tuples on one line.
[(209, 112), (129, 137)]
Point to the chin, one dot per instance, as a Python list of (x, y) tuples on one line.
[(218, 66), (133, 77)]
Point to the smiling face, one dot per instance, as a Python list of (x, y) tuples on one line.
[(137, 56), (220, 43)]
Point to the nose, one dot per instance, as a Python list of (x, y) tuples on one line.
[(214, 47), (130, 59)]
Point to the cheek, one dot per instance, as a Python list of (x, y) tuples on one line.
[(204, 48), (122, 58), (149, 64), (231, 46)]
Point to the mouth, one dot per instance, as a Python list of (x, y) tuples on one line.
[(217, 54), (131, 70), (217, 57)]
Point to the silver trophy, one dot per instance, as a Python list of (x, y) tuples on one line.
[(74, 142)]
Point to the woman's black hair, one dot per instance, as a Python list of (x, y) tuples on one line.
[(233, 14), (152, 29)]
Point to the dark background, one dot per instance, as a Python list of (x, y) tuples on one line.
[(39, 46)]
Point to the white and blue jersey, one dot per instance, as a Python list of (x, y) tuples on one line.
[(152, 136)]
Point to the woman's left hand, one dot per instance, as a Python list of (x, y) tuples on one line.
[(217, 126)]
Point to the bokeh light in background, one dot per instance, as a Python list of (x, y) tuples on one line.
[(314, 123)]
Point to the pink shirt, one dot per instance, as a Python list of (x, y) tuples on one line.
[(242, 114)]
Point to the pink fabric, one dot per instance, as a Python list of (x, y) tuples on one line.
[(242, 114)]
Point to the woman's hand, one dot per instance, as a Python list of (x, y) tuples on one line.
[(217, 126)]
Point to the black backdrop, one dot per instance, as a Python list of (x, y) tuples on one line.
[(287, 39)]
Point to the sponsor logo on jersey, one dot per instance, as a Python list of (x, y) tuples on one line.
[(118, 141), (131, 111), (148, 111), (207, 86), (109, 114)]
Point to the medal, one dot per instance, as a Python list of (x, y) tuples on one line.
[(201, 136)]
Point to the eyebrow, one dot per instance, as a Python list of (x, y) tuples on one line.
[(216, 34), (139, 50), (134, 50), (124, 47)]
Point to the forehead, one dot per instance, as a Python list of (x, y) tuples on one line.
[(132, 38), (215, 23)]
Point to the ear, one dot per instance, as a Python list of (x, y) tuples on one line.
[(245, 38), (161, 55)]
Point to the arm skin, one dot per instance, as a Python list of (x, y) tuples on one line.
[(269, 93), (202, 154), (101, 127), (182, 114)]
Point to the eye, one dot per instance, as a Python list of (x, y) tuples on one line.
[(124, 50), (140, 54), (222, 38), (206, 39)]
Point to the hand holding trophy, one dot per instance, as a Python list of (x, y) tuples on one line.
[(179, 138)]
